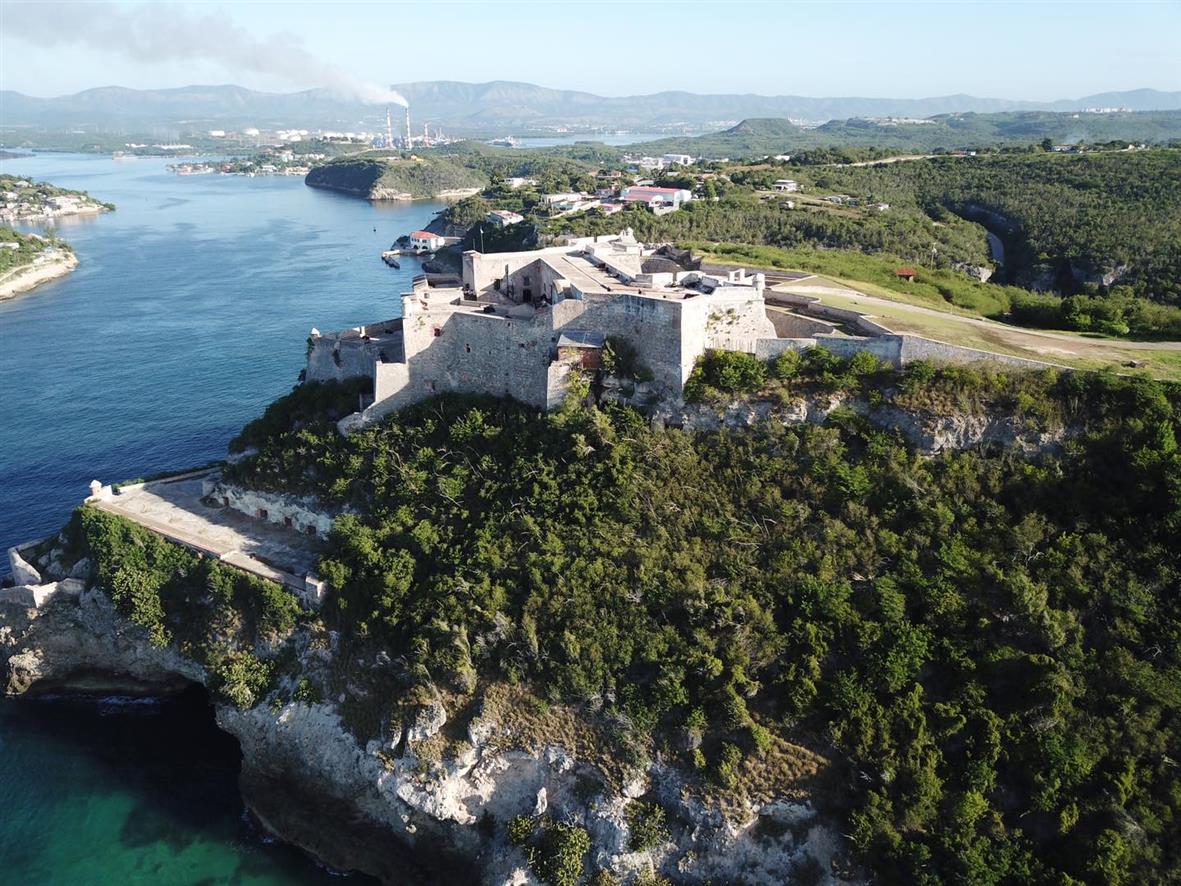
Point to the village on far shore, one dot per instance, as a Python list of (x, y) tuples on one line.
[(26, 259)]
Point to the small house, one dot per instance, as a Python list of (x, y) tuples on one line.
[(425, 241), (907, 274), (503, 218)]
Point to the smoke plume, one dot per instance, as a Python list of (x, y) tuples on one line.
[(151, 33)]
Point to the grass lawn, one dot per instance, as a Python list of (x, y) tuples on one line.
[(961, 328), (925, 309)]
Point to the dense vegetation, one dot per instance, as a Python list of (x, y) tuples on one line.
[(420, 178), (760, 137), (28, 247), (1075, 215), (223, 618), (1102, 229), (989, 648)]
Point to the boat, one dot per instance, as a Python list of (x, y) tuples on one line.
[(507, 142)]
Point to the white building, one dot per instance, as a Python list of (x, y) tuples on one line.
[(502, 218), (425, 241), (677, 159), (787, 184), (659, 200)]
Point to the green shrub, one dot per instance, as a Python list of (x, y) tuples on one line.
[(622, 360), (646, 822), (559, 855), (520, 828), (240, 677), (313, 402), (728, 372), (725, 770), (784, 366)]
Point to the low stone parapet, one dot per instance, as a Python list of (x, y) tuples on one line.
[(23, 572), (282, 510), (34, 596)]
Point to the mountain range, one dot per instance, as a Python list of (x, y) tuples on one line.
[(498, 107)]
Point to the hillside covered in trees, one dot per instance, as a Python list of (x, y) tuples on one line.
[(943, 132), (987, 647), (1101, 229), (384, 177)]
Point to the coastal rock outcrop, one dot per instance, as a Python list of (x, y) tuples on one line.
[(403, 814), (928, 432)]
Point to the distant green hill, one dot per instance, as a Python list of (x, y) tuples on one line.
[(393, 178), (946, 132)]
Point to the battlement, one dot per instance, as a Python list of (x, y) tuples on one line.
[(524, 324)]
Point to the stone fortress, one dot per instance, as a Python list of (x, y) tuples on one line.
[(524, 324)]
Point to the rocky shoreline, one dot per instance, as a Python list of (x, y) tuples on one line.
[(394, 811), (50, 265)]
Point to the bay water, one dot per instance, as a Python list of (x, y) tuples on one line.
[(188, 313)]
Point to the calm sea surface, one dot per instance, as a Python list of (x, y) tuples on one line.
[(187, 315)]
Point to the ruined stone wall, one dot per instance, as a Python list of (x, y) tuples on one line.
[(336, 357), (534, 282), (653, 327), (332, 359)]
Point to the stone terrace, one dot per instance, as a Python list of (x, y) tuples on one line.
[(174, 508)]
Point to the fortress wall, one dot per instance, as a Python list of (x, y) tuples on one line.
[(916, 347), (886, 347), (389, 379), (331, 359), (797, 325), (472, 354), (652, 327), (767, 348)]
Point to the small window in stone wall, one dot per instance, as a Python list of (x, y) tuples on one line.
[(287, 521), (262, 513), (438, 332), (468, 348), (311, 530)]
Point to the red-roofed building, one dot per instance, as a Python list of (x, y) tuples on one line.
[(425, 241), (907, 274)]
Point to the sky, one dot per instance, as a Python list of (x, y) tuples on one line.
[(1015, 50)]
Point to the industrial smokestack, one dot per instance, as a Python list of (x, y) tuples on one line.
[(389, 128), (409, 141)]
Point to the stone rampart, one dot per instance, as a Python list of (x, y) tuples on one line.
[(792, 325), (282, 510), (916, 347)]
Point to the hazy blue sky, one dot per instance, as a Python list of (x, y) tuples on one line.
[(1032, 50)]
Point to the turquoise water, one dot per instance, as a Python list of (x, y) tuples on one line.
[(187, 315), (95, 792)]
